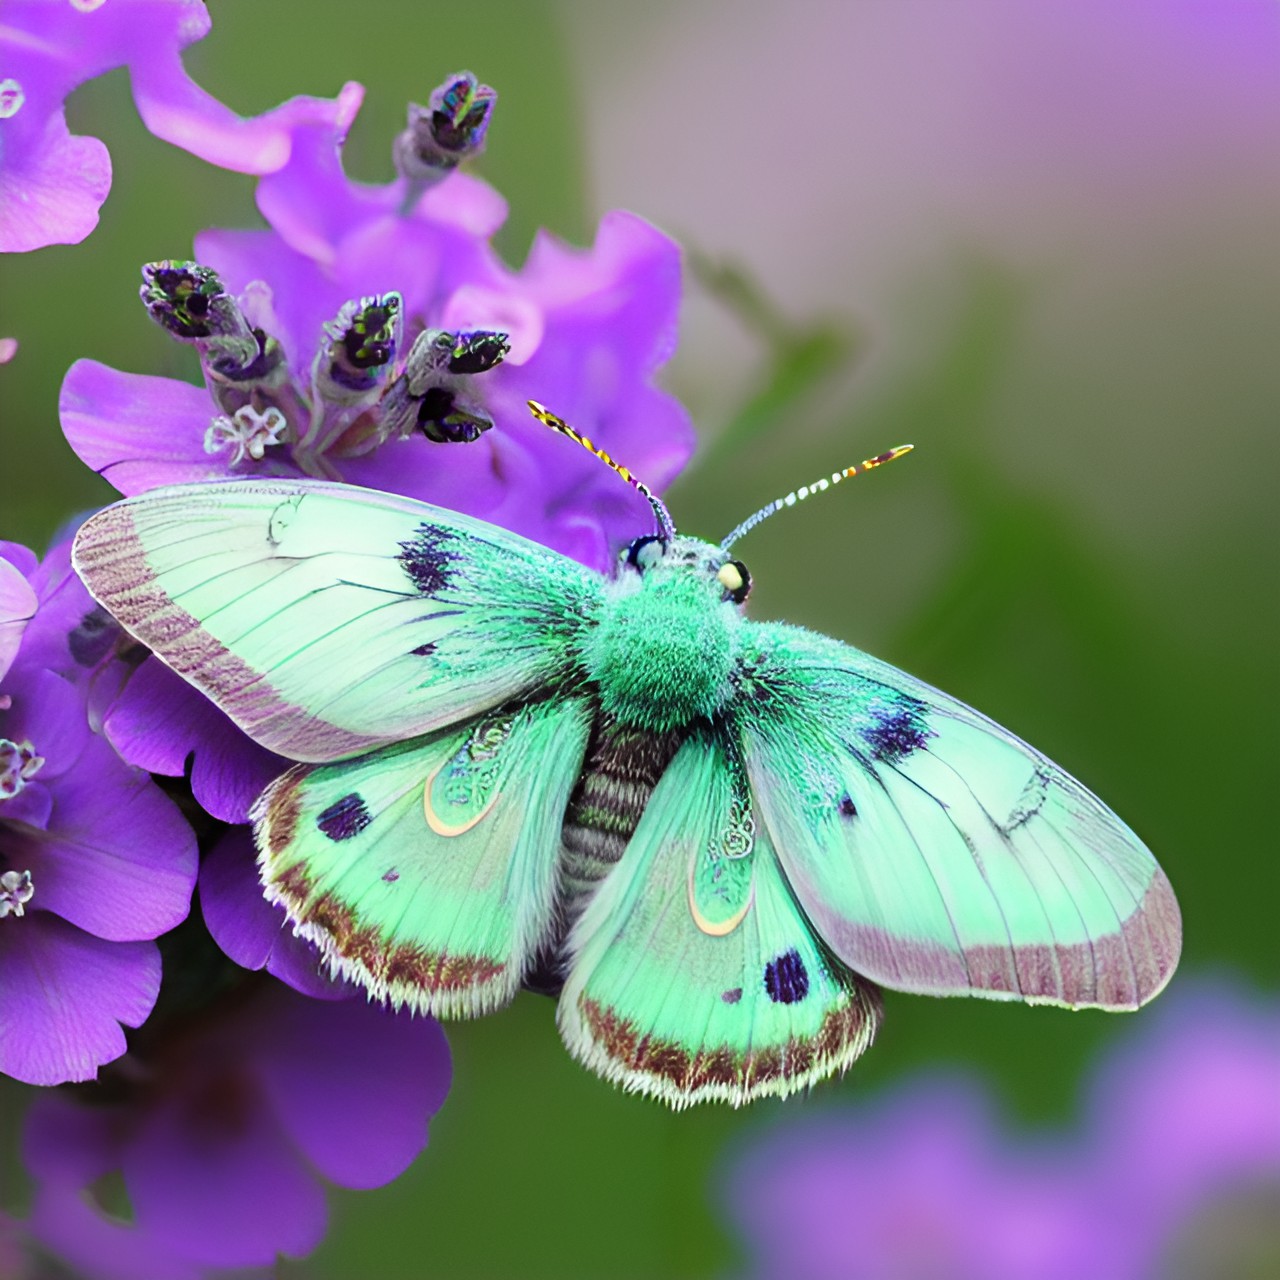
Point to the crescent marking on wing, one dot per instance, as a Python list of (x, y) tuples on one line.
[(436, 823), (721, 928)]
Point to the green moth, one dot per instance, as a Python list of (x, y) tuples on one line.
[(715, 839)]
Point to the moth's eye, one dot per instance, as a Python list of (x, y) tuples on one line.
[(735, 580), (644, 552)]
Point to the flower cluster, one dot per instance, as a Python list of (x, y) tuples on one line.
[(1181, 1132), (371, 335), (95, 861)]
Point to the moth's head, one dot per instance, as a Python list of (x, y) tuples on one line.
[(654, 558)]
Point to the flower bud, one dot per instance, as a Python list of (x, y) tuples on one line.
[(450, 129)]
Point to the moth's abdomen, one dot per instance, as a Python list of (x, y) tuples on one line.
[(621, 769)]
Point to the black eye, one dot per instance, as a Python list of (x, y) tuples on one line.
[(644, 552), (735, 580)]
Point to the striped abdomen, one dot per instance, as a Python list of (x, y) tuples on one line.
[(621, 769)]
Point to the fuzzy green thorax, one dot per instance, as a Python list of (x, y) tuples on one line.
[(662, 653)]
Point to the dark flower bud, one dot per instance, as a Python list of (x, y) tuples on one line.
[(450, 129), (433, 394), (437, 353), (190, 301), (478, 352), (446, 418), (363, 340)]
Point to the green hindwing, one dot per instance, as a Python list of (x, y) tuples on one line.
[(694, 974), (426, 871), (328, 620), (934, 851)]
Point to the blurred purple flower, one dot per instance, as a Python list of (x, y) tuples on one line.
[(372, 316), (927, 1182), (221, 1134), (52, 183), (94, 860)]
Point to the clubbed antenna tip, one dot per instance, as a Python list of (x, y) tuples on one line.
[(805, 491)]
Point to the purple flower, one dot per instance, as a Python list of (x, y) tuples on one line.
[(17, 607), (253, 932), (162, 724), (52, 182), (94, 861), (928, 1182), (373, 335), (222, 1131)]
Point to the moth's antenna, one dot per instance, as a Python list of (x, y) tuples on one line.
[(818, 486), (544, 415)]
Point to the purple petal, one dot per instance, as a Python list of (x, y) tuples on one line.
[(48, 712), (358, 1137), (159, 721), (137, 431), (20, 557), (17, 607), (1192, 1104), (52, 189), (472, 478), (116, 858), (65, 605), (917, 1183), (253, 932), (310, 202), (33, 805), (463, 201), (64, 995), (176, 109), (212, 1177), (303, 297), (66, 1143), (65, 1221)]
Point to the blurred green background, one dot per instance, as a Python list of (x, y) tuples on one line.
[(949, 225)]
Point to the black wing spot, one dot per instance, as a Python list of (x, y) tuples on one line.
[(428, 559), (846, 806), (731, 996), (424, 650), (786, 979), (390, 875), (345, 818), (897, 733)]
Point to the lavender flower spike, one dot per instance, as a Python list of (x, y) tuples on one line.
[(394, 349), (450, 129), (52, 183)]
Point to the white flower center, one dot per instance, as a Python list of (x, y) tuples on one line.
[(11, 98), (18, 765), (247, 433), (16, 890)]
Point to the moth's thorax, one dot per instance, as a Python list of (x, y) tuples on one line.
[(662, 653)]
